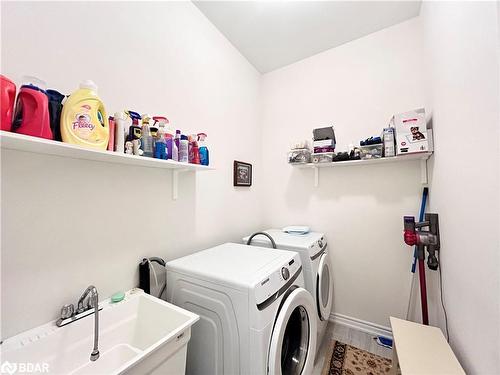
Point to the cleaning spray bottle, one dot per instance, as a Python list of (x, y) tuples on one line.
[(146, 137), (193, 150), (134, 133), (83, 119), (160, 143), (204, 160)]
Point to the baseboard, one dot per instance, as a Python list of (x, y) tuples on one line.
[(361, 325)]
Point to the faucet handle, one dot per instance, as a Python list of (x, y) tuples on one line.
[(67, 311)]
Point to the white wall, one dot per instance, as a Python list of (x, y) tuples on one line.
[(68, 223), (461, 49), (356, 87)]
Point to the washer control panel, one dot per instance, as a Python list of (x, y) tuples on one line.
[(285, 273), (273, 284)]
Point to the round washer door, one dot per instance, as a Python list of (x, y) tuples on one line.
[(293, 341), (324, 289)]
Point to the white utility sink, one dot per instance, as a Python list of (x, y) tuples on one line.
[(139, 335)]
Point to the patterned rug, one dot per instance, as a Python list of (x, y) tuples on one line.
[(347, 360)]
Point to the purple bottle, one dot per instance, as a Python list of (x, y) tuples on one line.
[(177, 138), (169, 142)]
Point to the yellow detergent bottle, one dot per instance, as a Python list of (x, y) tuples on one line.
[(83, 119)]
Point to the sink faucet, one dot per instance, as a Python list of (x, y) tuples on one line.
[(92, 297), (88, 301)]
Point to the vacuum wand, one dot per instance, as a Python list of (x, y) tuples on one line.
[(416, 235)]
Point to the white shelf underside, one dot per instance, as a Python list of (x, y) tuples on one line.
[(20, 142), (422, 156)]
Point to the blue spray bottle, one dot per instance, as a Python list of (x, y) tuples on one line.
[(204, 160)]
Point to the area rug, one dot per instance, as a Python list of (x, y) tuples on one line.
[(343, 359)]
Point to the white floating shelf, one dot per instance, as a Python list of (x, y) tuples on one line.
[(422, 156), (20, 142)]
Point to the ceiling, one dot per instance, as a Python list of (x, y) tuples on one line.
[(272, 34)]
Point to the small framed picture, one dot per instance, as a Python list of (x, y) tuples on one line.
[(242, 175)]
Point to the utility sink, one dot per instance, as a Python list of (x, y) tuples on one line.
[(139, 335)]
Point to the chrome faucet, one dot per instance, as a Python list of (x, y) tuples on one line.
[(88, 301), (92, 297)]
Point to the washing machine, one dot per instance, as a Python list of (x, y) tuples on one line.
[(256, 317), (316, 264)]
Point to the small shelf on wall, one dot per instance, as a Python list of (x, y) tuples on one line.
[(422, 156), (20, 142)]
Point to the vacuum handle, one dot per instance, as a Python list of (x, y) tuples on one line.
[(409, 223)]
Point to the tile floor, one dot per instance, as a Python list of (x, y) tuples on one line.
[(349, 336)]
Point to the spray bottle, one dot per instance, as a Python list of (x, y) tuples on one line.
[(146, 137), (134, 134), (193, 150), (204, 160), (135, 129), (160, 143)]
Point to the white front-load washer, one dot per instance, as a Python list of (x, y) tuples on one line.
[(318, 277), (255, 315)]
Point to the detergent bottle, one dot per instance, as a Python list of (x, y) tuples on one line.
[(83, 120), (7, 100), (55, 109), (31, 116)]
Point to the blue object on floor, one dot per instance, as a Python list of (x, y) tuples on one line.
[(384, 341)]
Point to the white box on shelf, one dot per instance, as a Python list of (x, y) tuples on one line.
[(412, 134), (389, 142)]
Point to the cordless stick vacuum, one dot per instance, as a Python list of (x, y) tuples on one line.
[(416, 235)]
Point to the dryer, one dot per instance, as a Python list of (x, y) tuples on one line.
[(318, 277), (256, 317)]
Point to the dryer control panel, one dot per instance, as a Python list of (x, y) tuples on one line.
[(317, 247), (277, 282)]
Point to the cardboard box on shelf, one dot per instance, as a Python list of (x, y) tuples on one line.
[(412, 134)]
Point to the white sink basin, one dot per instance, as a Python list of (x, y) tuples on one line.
[(139, 335)]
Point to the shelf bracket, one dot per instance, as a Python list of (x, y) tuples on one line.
[(175, 182), (423, 172), (316, 176)]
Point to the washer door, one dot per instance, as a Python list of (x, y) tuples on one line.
[(324, 288), (293, 341)]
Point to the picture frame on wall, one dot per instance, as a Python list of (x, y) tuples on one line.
[(242, 173)]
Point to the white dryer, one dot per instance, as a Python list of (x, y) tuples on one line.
[(255, 315), (318, 277)]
